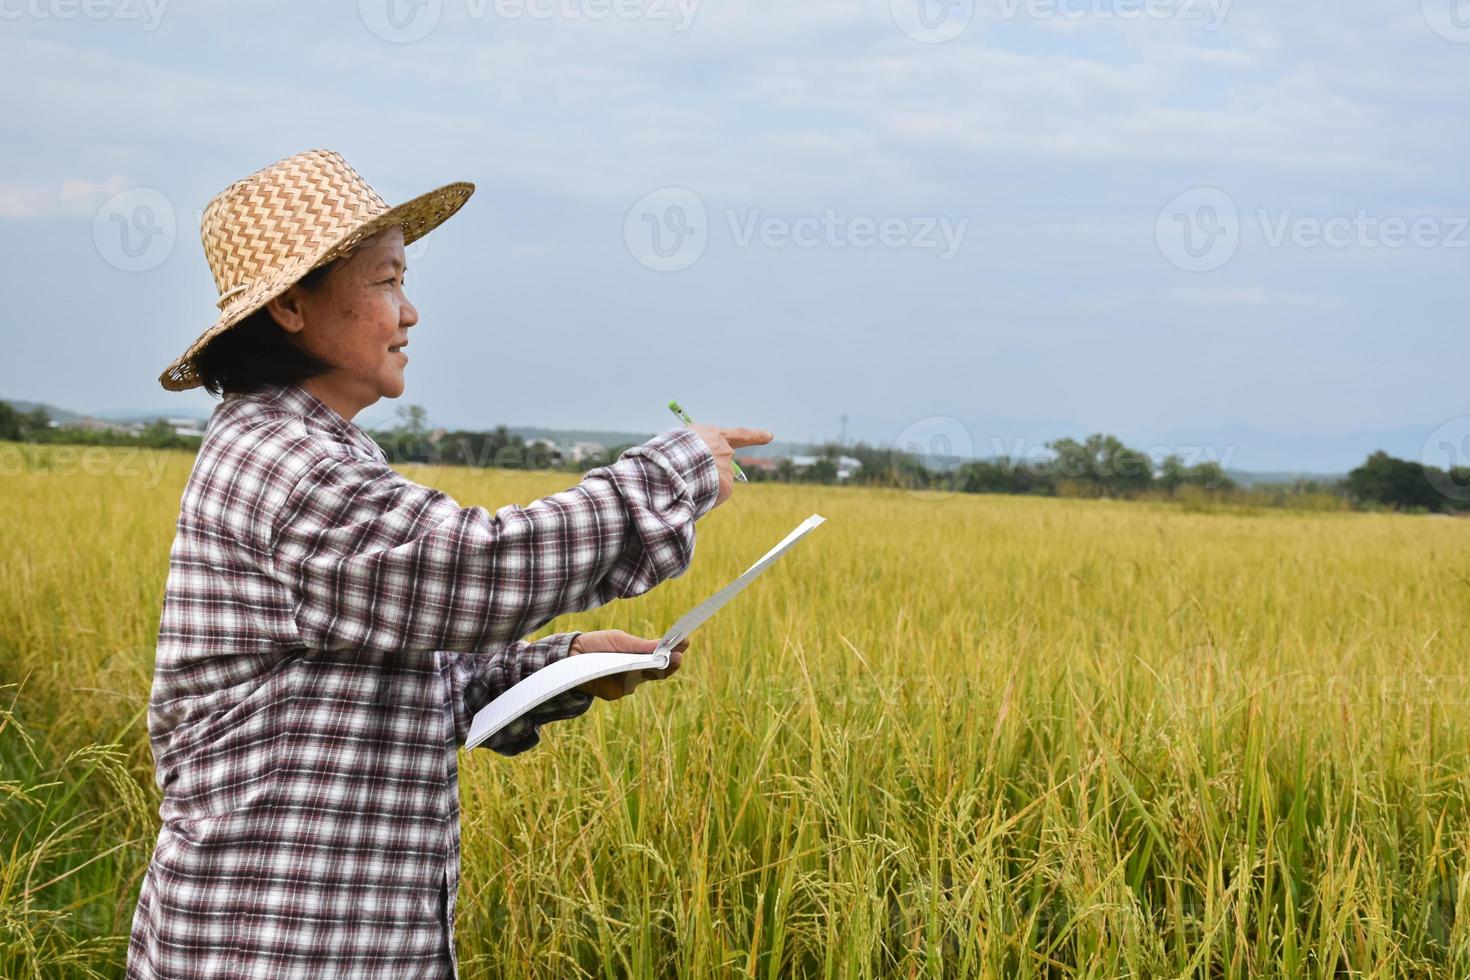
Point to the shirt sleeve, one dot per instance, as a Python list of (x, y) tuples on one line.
[(375, 561), (476, 679)]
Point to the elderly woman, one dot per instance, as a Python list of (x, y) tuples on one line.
[(329, 627)]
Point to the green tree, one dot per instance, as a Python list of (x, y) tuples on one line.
[(413, 419), (822, 471), (1395, 483), (1101, 466), (10, 423), (36, 420), (1172, 473)]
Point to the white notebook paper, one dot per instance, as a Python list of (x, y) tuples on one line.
[(568, 673)]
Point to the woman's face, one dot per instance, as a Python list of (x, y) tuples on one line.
[(357, 320)]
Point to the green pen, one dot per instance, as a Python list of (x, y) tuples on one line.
[(684, 417)]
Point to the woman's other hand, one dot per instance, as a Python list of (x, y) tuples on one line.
[(616, 641), (723, 443)]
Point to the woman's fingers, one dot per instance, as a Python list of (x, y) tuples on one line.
[(722, 443), (617, 641), (612, 641), (676, 659), (738, 438)]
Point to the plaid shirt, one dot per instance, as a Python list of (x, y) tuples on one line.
[(329, 629)]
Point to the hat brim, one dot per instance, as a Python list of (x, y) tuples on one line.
[(417, 216)]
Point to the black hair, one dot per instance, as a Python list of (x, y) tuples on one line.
[(258, 351)]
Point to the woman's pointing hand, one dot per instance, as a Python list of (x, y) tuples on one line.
[(723, 443)]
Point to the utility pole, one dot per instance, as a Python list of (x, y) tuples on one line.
[(842, 440)]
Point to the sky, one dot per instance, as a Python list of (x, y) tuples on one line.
[(1137, 216)]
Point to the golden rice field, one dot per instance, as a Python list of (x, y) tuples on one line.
[(945, 737)]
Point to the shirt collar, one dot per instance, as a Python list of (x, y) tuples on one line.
[(294, 398)]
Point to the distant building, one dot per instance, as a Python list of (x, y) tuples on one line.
[(186, 427), (543, 452), (760, 464), (90, 424), (847, 466), (589, 452)]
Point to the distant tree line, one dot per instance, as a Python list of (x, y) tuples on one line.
[(35, 426), (1101, 466), (497, 449), (411, 440), (1398, 484)]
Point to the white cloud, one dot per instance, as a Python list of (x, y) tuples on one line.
[(69, 197), (1062, 144)]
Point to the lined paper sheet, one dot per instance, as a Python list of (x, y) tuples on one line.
[(566, 674), (696, 617)]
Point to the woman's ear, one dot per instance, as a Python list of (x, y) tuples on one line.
[(287, 311)]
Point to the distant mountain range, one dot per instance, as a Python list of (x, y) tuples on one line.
[(1251, 455), (119, 416), (59, 414)]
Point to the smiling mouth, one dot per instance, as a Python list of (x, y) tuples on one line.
[(398, 349)]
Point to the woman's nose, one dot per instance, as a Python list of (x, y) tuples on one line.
[(408, 314)]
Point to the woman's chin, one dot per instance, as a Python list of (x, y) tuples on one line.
[(392, 384)]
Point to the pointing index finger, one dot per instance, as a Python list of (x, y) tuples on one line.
[(746, 437)]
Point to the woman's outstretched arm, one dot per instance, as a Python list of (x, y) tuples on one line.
[(376, 561)]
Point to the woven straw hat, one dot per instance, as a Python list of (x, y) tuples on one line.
[(265, 231)]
